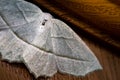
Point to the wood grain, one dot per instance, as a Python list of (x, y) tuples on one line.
[(108, 57), (103, 13), (99, 12), (88, 16)]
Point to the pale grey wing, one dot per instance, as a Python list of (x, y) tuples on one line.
[(39, 62), (74, 57), (13, 49), (12, 16), (26, 21), (10, 46), (18, 13), (67, 49), (29, 11)]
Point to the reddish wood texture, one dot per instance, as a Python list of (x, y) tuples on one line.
[(109, 59), (95, 17)]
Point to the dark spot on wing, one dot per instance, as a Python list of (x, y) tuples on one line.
[(44, 21)]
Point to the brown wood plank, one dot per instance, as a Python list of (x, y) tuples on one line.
[(109, 59), (84, 15)]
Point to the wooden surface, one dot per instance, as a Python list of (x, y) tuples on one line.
[(92, 16), (98, 12), (108, 57)]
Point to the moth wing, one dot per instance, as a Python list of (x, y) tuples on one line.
[(68, 52), (22, 17), (19, 12), (13, 49), (73, 55), (39, 62)]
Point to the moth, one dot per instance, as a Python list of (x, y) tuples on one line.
[(44, 44)]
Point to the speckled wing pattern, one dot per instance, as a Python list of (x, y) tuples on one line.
[(44, 44)]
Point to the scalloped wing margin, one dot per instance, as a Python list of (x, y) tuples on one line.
[(68, 53)]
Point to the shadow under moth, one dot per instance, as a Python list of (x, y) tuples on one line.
[(44, 44)]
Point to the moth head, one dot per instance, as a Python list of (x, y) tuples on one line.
[(46, 17)]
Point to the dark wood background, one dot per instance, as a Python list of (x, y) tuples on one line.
[(108, 56), (100, 18)]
